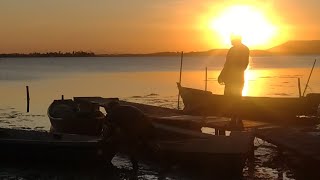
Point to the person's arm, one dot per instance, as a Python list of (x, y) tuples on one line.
[(245, 59), (228, 59), (222, 78)]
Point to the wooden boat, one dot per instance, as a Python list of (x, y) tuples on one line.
[(18, 146), (183, 146), (208, 154), (68, 116), (189, 147), (283, 110), (199, 153)]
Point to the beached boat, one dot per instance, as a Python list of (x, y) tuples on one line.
[(18, 146), (188, 146), (68, 116), (209, 154), (181, 145), (286, 110)]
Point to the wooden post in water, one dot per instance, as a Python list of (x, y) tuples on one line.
[(299, 87), (216, 131), (206, 80), (62, 97), (28, 99), (251, 164), (181, 60)]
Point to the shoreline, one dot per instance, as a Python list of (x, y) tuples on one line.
[(147, 55)]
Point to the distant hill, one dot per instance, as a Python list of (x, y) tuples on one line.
[(311, 47)]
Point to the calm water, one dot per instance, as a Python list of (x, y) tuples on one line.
[(148, 80)]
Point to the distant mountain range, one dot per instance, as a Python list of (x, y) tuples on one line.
[(297, 48), (311, 47)]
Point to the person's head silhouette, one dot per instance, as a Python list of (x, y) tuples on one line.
[(236, 39)]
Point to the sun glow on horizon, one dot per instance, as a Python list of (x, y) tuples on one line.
[(246, 21)]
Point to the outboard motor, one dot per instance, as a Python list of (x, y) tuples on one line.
[(134, 133), (131, 121)]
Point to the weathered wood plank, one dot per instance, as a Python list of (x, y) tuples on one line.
[(174, 116)]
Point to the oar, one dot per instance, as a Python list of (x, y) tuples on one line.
[(314, 63), (180, 79)]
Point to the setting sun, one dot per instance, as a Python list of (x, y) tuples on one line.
[(246, 21)]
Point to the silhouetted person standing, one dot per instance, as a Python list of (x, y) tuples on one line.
[(232, 74)]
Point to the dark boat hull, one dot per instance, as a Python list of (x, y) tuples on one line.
[(223, 166), (43, 147), (197, 153), (204, 153), (277, 109)]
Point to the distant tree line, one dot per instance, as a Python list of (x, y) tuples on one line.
[(51, 54)]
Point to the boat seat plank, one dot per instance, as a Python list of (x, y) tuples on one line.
[(181, 131)]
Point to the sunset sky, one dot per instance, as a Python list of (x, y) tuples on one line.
[(143, 26)]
